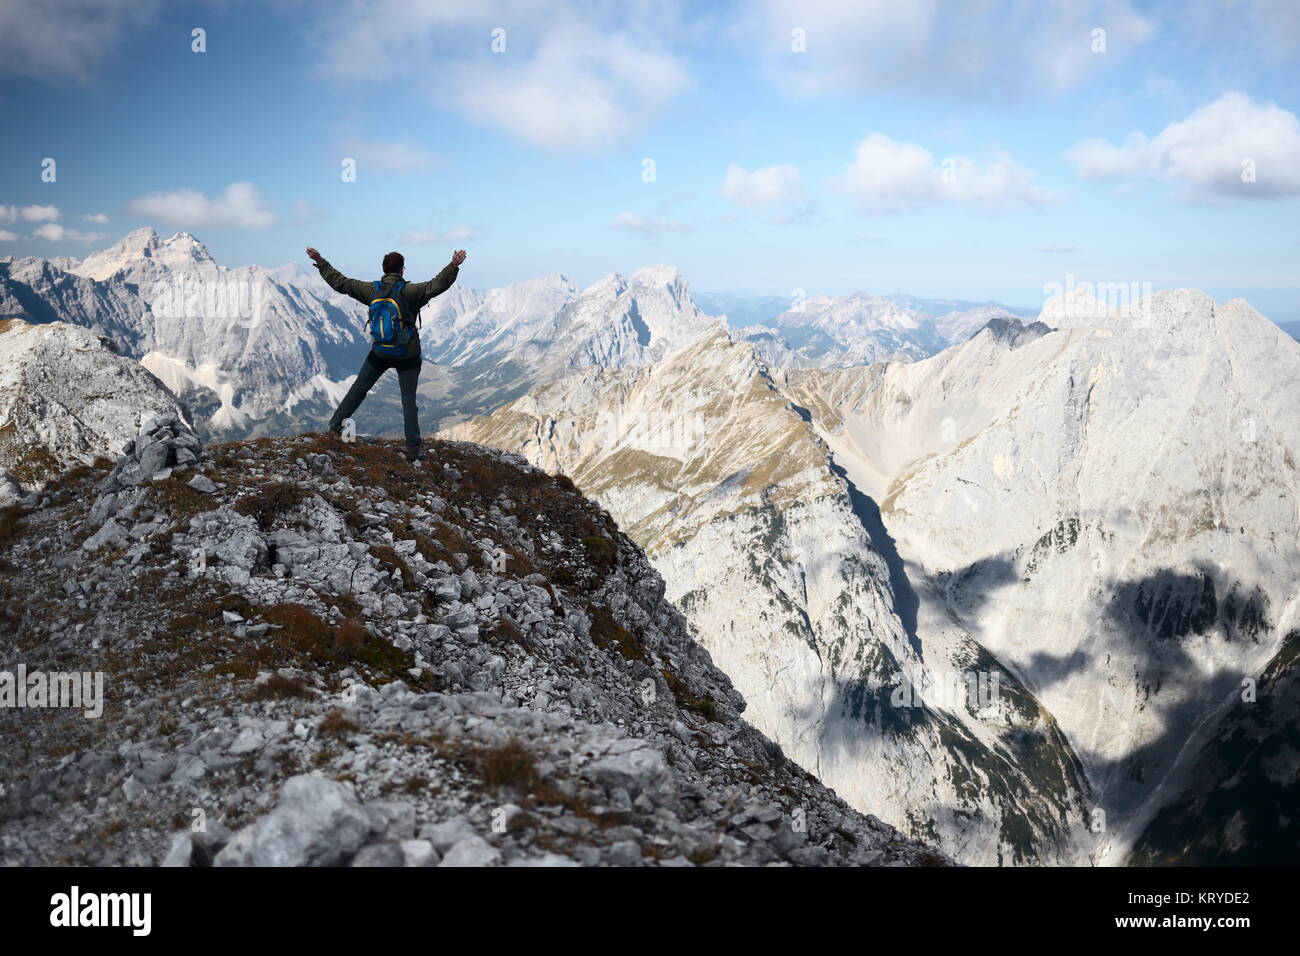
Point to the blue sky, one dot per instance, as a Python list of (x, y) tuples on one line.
[(977, 149)]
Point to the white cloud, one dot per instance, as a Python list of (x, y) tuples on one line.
[(7, 236), (40, 213), (8, 213), (889, 176), (65, 39), (456, 233), (763, 186), (98, 217), (56, 233), (987, 49), (648, 225), (238, 206), (1208, 152), (1098, 158), (571, 76)]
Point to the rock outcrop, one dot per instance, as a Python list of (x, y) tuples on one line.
[(316, 654), (67, 398)]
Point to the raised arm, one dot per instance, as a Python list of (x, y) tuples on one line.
[(361, 291), (418, 293)]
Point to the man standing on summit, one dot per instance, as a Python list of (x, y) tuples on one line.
[(395, 338)]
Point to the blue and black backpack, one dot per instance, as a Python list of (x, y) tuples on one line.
[(390, 329)]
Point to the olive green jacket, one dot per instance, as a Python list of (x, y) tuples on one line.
[(415, 295)]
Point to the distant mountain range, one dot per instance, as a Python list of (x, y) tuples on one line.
[(1026, 590), (260, 351)]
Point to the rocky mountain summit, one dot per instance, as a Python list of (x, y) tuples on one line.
[(314, 653)]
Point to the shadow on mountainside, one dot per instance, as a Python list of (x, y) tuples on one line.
[(1027, 770), (1028, 773), (1033, 773), (1159, 616), (867, 512), (1251, 759)]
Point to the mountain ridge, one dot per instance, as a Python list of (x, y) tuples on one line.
[(934, 448), (463, 663), (264, 351)]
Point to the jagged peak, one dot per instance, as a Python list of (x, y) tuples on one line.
[(614, 283), (178, 250), (143, 233), (658, 274), (552, 281), (1121, 306), (146, 237), (556, 279), (1012, 332), (184, 243), (184, 239), (717, 335)]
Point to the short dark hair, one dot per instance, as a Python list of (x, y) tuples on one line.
[(394, 262)]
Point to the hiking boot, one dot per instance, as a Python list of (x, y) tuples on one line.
[(412, 454)]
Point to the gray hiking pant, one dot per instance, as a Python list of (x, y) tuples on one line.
[(408, 376)]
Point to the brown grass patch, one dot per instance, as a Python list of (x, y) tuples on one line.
[(27, 462), (301, 635), (11, 524), (451, 541), (179, 500), (279, 687), (303, 640), (350, 637), (510, 765), (607, 632), (506, 631), (600, 549), (706, 707), (270, 502), (337, 724), (210, 606)]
